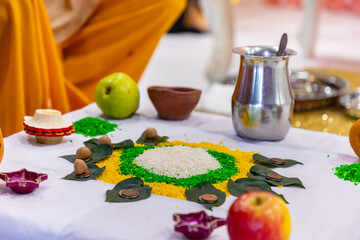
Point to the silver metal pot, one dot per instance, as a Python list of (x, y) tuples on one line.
[(262, 103)]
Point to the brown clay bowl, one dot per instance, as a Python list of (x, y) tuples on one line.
[(174, 103)]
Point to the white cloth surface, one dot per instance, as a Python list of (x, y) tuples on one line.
[(61, 209)]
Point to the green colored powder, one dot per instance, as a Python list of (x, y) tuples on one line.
[(349, 172), (128, 167), (91, 127)]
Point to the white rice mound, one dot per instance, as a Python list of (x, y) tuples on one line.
[(177, 161)]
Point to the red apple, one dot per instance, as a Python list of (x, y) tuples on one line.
[(260, 216)]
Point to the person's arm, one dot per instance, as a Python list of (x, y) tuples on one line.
[(67, 16)]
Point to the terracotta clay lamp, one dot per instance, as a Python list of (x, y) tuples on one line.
[(174, 103)]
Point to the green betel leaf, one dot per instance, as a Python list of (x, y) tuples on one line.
[(161, 139), (91, 143), (260, 172), (95, 172), (70, 158), (194, 193), (130, 183), (237, 188), (128, 143), (99, 152), (260, 159), (151, 142)]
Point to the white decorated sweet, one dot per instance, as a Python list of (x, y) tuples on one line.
[(48, 126)]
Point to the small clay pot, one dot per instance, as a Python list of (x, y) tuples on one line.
[(48, 140), (174, 103)]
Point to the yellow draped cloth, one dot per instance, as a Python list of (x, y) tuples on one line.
[(36, 72)]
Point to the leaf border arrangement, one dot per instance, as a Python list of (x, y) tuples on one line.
[(258, 177), (102, 151), (98, 153), (195, 185)]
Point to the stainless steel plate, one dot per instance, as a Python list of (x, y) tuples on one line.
[(351, 103), (315, 90)]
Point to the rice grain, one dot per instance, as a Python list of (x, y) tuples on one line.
[(177, 161)]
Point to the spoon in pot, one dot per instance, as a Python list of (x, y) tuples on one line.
[(282, 45)]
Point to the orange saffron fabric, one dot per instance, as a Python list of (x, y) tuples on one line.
[(35, 72)]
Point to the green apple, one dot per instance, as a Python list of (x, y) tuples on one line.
[(117, 95)]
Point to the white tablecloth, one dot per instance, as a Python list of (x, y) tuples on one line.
[(327, 209)]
